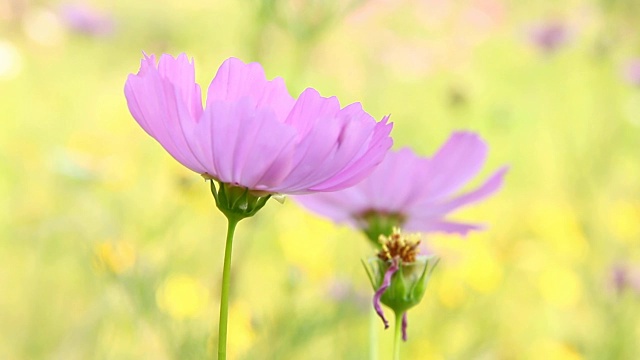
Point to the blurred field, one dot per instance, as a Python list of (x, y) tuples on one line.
[(111, 250)]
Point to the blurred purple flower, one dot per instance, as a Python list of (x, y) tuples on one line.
[(624, 277), (632, 72), (549, 36), (251, 132), (412, 192), (85, 19)]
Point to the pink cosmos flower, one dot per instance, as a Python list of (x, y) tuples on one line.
[(251, 133), (412, 192)]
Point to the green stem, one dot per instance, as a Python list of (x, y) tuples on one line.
[(374, 322), (397, 339), (224, 294)]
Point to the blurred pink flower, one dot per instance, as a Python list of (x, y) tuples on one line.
[(85, 19), (632, 72), (251, 133), (417, 193), (550, 36), (625, 277)]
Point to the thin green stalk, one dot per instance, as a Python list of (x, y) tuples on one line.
[(374, 322), (397, 339), (224, 294)]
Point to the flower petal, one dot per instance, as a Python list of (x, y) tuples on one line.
[(457, 161), (440, 225), (164, 106), (491, 185), (250, 147), (236, 80), (372, 152), (404, 326), (386, 282), (339, 206)]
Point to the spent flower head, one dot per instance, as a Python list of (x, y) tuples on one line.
[(399, 274)]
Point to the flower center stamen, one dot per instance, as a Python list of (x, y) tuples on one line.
[(398, 245)]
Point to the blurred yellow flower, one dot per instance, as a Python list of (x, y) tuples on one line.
[(241, 333), (182, 297), (550, 349), (115, 257), (481, 270), (556, 223), (298, 233), (560, 286), (448, 287), (624, 221)]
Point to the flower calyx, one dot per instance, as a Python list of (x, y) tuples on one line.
[(237, 202)]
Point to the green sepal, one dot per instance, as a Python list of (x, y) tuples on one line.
[(237, 202), (408, 284)]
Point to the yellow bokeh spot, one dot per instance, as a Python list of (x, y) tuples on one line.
[(556, 223), (624, 221), (182, 296), (115, 257), (559, 286), (302, 231), (482, 272), (425, 348), (10, 61), (241, 332), (553, 350), (449, 289)]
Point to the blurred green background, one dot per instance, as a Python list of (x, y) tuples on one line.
[(109, 249)]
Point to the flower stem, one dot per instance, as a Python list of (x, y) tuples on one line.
[(397, 339), (224, 294), (374, 322)]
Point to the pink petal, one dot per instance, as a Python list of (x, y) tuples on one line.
[(310, 109), (457, 161), (339, 206), (250, 147), (386, 282), (236, 80), (437, 225), (404, 326), (160, 107), (359, 168), (491, 185)]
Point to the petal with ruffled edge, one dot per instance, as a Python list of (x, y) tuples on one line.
[(386, 282), (360, 166), (397, 172), (236, 80), (164, 101)]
